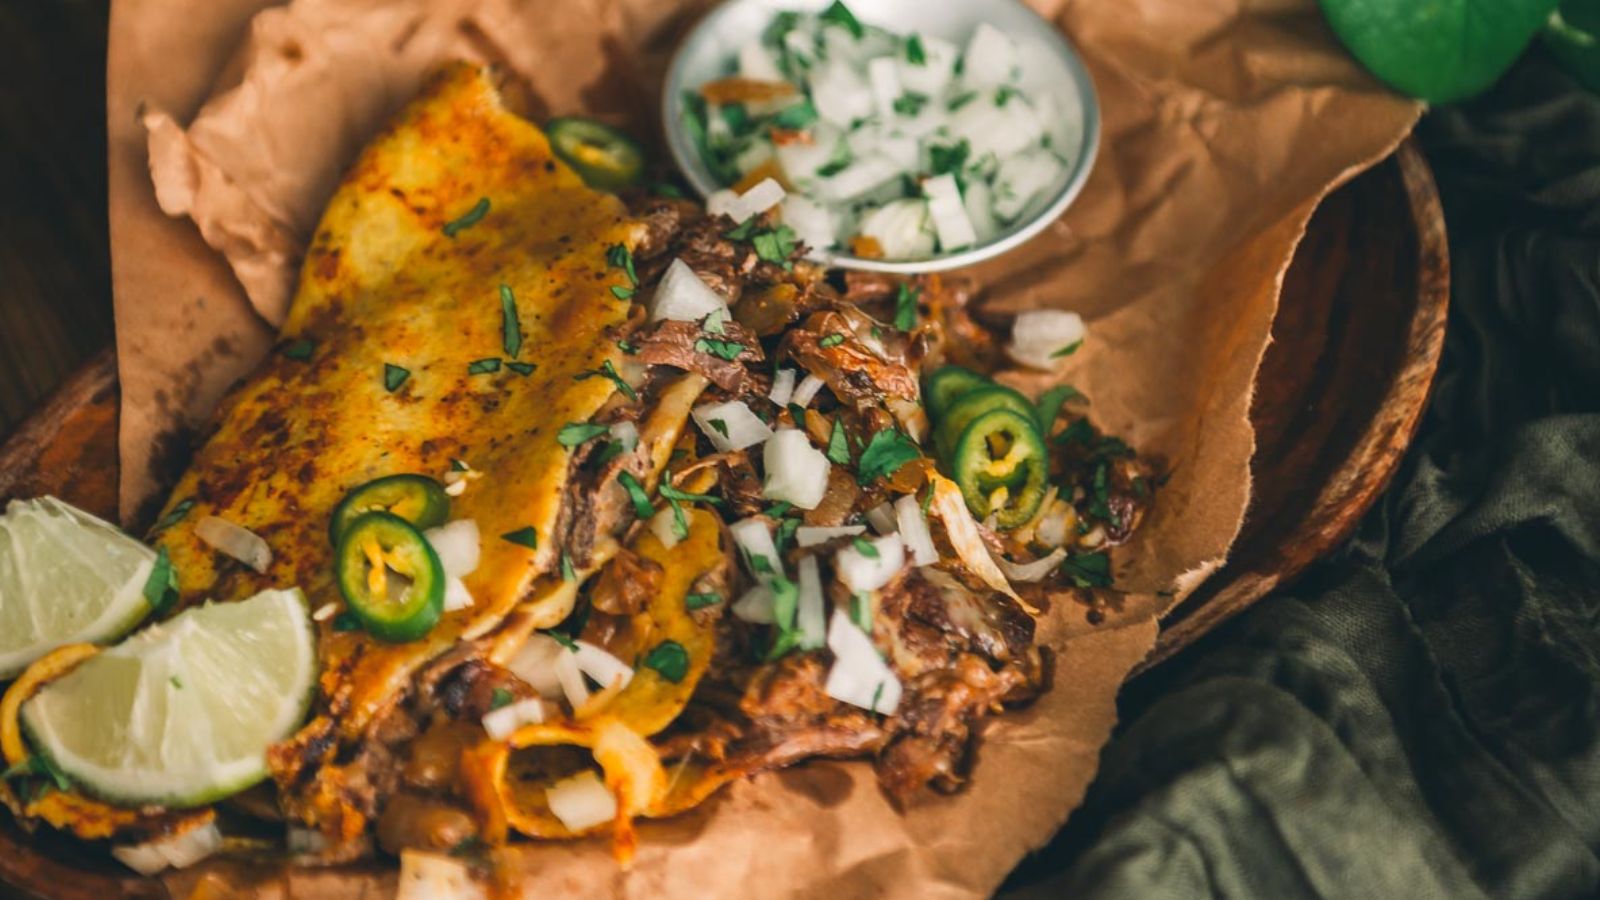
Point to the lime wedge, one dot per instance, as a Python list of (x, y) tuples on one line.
[(182, 713), (65, 577)]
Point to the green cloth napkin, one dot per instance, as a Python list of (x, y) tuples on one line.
[(1416, 717)]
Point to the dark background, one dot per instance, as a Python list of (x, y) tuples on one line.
[(55, 260)]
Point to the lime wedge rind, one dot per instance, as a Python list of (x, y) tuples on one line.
[(65, 577), (181, 736)]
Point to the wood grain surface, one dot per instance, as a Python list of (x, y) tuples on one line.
[(55, 262)]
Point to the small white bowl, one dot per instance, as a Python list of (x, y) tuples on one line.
[(1050, 64)]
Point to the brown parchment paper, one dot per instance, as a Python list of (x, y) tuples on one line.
[(1224, 123)]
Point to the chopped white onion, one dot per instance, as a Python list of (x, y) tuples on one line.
[(535, 663), (625, 434), (862, 572), (571, 678), (599, 664), (814, 224), (812, 535), (762, 196), (881, 518), (664, 526), (1032, 571), (1022, 177), (839, 94), (950, 222), (809, 619), (179, 851), (901, 228), (994, 131), (683, 296), (756, 606), (859, 676), (930, 77), (978, 201), (743, 428), (456, 595), (754, 537), (720, 203), (782, 387), (500, 723), (800, 160), (300, 840), (581, 802), (457, 545), (857, 179), (883, 75), (1041, 338), (914, 531), (236, 541), (1052, 528), (756, 64), (325, 612), (807, 390), (992, 58), (434, 876), (962, 530), (797, 472)]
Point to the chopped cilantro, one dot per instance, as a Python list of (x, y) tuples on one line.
[(499, 697), (457, 465), (1068, 350), (574, 433), (610, 451), (728, 350), (161, 587), (618, 256), (176, 515), (715, 321), (609, 371), (622, 293), (567, 572), (1050, 403), (838, 448), (483, 366), (778, 510), (468, 219), (776, 245), (1004, 93), (861, 610), (785, 601), (877, 694), (833, 167), (627, 346), (561, 638), (865, 548), (665, 189), (742, 231), (680, 523), (831, 340), (510, 326), (785, 533), (1088, 569), (1080, 431), (346, 621), (702, 600), (905, 306), (523, 537), (176, 682), (839, 14), (943, 159), (795, 116), (798, 413), (521, 368), (962, 100), (300, 350), (636, 493), (910, 103), (885, 453), (394, 376), (669, 660), (719, 426), (915, 54), (672, 493)]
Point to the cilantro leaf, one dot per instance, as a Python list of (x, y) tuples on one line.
[(161, 587), (574, 433), (1050, 403), (915, 54), (510, 327), (728, 350), (672, 493), (776, 245), (300, 350), (865, 548), (521, 368), (468, 219), (669, 660), (483, 366), (636, 493), (499, 697), (838, 448), (618, 256), (1088, 569), (839, 14), (394, 376), (176, 515), (523, 537), (905, 306), (702, 600), (885, 453), (831, 340), (609, 371)]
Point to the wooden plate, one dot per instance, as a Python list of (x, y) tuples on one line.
[(1342, 389)]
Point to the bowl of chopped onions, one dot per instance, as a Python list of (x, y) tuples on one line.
[(899, 136)]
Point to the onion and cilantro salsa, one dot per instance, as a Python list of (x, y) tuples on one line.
[(900, 146)]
